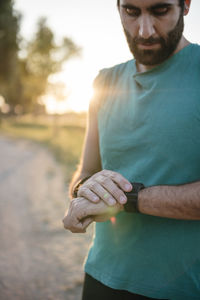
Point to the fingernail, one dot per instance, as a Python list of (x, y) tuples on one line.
[(111, 201), (122, 199), (128, 187)]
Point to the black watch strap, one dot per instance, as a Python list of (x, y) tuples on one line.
[(77, 186), (132, 198)]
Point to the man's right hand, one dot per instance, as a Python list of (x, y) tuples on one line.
[(106, 185)]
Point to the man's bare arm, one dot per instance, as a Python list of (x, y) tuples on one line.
[(90, 162), (177, 202), (104, 184)]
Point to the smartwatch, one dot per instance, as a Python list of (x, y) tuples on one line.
[(132, 198)]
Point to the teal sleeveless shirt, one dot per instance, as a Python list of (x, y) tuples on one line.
[(149, 131)]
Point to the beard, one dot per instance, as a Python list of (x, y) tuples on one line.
[(167, 45)]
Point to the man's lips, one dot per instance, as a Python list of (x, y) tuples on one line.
[(148, 45)]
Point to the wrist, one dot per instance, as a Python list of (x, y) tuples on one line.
[(140, 198), (78, 185)]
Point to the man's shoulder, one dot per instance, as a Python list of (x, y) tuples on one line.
[(195, 50), (197, 47), (193, 57)]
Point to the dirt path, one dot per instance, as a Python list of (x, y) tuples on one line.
[(38, 258)]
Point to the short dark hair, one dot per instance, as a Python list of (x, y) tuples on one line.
[(181, 3)]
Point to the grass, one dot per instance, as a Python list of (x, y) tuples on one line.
[(63, 135)]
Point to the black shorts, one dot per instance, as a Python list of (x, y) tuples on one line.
[(95, 290)]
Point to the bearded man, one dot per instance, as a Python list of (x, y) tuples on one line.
[(139, 177)]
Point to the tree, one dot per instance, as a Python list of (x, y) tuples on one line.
[(24, 80), (9, 67), (43, 59)]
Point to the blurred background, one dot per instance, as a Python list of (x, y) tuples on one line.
[(50, 53)]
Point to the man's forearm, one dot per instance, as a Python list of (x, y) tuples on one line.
[(178, 202)]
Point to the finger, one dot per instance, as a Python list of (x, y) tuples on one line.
[(121, 181), (77, 213), (103, 193), (85, 192), (113, 189), (86, 222), (77, 230), (82, 225), (66, 224), (96, 189)]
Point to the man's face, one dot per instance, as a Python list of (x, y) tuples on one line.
[(153, 28)]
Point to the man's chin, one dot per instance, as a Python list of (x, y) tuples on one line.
[(149, 57)]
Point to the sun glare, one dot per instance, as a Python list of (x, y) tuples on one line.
[(79, 86), (80, 98)]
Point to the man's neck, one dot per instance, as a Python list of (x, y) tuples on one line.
[(182, 44)]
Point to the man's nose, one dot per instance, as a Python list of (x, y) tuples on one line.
[(146, 27)]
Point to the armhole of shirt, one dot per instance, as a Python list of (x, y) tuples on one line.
[(100, 86)]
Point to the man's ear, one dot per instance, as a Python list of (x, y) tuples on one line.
[(187, 7)]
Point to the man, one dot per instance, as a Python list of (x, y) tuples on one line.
[(144, 126)]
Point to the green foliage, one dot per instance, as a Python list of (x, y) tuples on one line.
[(9, 45), (9, 27), (24, 80), (43, 59)]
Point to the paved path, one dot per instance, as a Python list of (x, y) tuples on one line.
[(39, 260)]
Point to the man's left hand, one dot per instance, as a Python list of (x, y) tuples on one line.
[(82, 213)]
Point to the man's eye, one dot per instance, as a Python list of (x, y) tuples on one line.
[(161, 11), (132, 12)]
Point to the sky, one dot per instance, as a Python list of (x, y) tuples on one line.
[(95, 26)]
